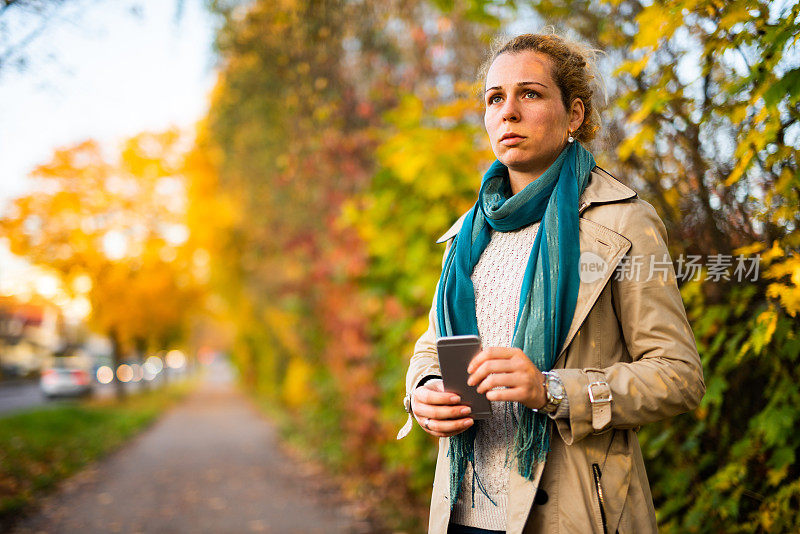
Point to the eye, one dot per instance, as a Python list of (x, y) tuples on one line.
[(493, 99), (531, 94)]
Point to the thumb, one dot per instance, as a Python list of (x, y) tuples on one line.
[(435, 384)]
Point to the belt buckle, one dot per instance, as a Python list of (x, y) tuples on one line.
[(592, 398)]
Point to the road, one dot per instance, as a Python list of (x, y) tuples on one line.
[(211, 464), (20, 395)]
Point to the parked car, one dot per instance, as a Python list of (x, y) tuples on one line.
[(63, 379)]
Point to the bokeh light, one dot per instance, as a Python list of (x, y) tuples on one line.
[(137, 372), (104, 374), (175, 359), (124, 373), (153, 365)]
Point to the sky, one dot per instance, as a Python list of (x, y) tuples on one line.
[(100, 69)]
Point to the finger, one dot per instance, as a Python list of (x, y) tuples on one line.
[(490, 353), (492, 366), (509, 394), (506, 380), (427, 395), (433, 411), (449, 427), (520, 394)]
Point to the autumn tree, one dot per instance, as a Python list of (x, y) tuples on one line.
[(121, 224)]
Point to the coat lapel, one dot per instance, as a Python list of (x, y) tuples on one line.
[(601, 248), (601, 251), (453, 230)]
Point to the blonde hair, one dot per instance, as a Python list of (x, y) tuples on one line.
[(574, 71)]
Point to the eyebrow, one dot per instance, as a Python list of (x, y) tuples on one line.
[(519, 84)]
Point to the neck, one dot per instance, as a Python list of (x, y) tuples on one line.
[(521, 179)]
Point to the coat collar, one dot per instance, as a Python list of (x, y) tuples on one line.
[(601, 189)]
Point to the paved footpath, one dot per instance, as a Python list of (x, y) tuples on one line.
[(211, 464)]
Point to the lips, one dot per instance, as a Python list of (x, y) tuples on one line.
[(511, 139)]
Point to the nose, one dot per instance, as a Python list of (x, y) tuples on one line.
[(510, 112)]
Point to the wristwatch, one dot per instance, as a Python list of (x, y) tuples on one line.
[(554, 391)]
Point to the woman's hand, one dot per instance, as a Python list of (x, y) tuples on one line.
[(438, 412), (509, 367)]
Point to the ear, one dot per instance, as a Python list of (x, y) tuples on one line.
[(576, 114)]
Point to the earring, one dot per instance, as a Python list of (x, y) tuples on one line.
[(570, 139)]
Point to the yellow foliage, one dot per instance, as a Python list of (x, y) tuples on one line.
[(634, 67), (729, 476), (785, 180), (766, 323), (735, 13), (739, 112), (775, 252), (655, 22), (637, 144), (770, 319), (776, 476), (673, 196), (420, 326), (741, 166), (297, 389), (789, 297), (284, 326), (458, 108), (749, 250), (653, 102)]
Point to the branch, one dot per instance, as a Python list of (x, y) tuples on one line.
[(9, 53), (47, 15), (5, 4)]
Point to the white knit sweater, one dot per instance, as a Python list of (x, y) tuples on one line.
[(498, 280)]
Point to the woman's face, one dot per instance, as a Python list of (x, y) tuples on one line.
[(525, 117)]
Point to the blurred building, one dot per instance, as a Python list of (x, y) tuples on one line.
[(30, 332)]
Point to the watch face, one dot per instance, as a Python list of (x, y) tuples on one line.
[(555, 388)]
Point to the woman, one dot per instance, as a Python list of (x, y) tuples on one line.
[(564, 274)]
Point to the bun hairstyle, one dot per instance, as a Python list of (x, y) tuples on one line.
[(574, 71)]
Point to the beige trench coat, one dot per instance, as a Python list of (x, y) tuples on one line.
[(631, 338)]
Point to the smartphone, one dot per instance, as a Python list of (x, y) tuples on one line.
[(455, 353)]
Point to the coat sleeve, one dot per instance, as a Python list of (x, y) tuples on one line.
[(425, 360), (664, 377)]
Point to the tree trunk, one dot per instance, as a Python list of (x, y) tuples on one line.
[(116, 358)]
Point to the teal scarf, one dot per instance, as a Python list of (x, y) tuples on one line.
[(549, 287)]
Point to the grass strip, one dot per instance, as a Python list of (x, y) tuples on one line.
[(40, 447)]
